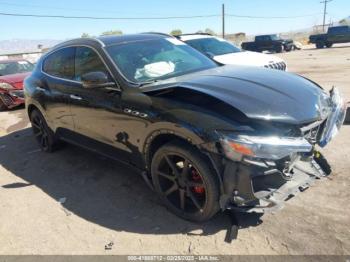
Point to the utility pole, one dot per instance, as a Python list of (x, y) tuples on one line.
[(325, 11), (223, 20)]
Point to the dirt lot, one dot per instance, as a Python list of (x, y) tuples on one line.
[(75, 202)]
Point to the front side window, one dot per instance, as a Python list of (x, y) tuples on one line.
[(60, 63), (148, 60), (87, 61), (213, 46), (15, 67)]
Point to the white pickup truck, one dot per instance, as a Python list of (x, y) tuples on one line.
[(226, 53)]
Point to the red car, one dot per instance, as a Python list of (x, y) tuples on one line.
[(12, 74)]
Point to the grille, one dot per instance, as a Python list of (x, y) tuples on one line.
[(6, 99), (279, 66)]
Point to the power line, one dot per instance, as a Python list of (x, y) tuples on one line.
[(108, 18), (151, 18), (271, 17), (175, 17), (57, 8)]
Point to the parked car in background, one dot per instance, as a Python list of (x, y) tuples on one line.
[(12, 74), (271, 43), (204, 136), (227, 53), (334, 35)]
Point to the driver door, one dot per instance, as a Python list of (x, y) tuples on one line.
[(96, 111)]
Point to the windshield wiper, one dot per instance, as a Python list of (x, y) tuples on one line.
[(148, 82)]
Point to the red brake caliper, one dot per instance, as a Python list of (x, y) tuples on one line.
[(197, 178)]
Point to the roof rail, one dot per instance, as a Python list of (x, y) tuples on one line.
[(157, 33), (194, 34)]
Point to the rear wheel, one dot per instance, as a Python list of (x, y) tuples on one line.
[(319, 45), (329, 45), (43, 134), (185, 182), (279, 49)]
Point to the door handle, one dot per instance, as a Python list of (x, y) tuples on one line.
[(75, 97)]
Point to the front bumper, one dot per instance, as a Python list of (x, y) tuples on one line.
[(266, 190), (12, 98)]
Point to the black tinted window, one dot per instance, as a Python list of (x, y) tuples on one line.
[(61, 63), (338, 30), (262, 38), (87, 61)]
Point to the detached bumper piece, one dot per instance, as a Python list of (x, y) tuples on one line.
[(263, 191)]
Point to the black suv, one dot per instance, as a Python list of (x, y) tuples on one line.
[(335, 35), (271, 43), (203, 136)]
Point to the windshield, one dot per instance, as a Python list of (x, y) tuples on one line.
[(275, 37), (15, 67), (213, 46), (149, 60)]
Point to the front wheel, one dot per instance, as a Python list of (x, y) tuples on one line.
[(185, 182), (329, 45), (43, 134), (279, 49)]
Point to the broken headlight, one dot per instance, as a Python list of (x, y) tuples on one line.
[(5, 86), (267, 147)]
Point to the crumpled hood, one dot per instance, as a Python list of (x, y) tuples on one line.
[(258, 93), (247, 58)]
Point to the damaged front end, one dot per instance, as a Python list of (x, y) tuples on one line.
[(263, 171), (9, 96)]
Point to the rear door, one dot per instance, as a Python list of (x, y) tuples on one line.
[(58, 70)]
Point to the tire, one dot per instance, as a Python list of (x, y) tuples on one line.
[(329, 45), (279, 49), (191, 193), (319, 45), (43, 134)]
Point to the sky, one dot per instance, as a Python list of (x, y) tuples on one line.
[(56, 28)]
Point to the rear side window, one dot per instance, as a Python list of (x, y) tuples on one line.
[(262, 38), (338, 30), (87, 61), (60, 63)]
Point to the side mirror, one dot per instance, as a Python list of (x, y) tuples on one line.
[(95, 80)]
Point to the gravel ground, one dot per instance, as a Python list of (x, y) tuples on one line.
[(76, 202)]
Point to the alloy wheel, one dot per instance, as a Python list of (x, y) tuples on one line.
[(181, 183)]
